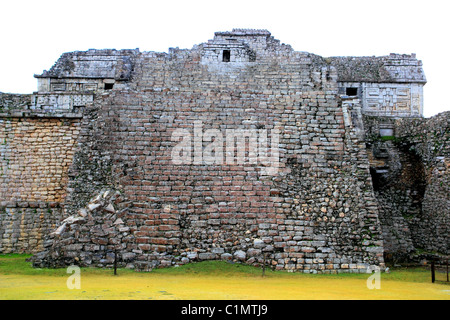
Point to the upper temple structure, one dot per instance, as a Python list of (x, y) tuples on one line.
[(387, 86), (165, 157)]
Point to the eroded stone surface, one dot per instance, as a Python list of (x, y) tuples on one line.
[(319, 212)]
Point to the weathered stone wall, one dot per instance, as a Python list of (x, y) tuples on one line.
[(387, 86), (35, 158), (61, 104), (388, 99), (430, 139), (35, 155), (88, 71), (410, 173), (318, 214), (10, 101), (24, 226)]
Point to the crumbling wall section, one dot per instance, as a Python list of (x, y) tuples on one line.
[(430, 139), (410, 173), (316, 214)]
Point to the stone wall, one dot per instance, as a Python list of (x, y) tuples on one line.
[(317, 214), (108, 179), (10, 101), (24, 226), (430, 139), (88, 71), (410, 172), (35, 158), (388, 99), (36, 151), (387, 86)]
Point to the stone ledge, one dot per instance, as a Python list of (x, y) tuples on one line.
[(28, 114), (30, 204)]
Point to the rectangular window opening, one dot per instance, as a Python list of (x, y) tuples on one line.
[(226, 55), (351, 91), (109, 86)]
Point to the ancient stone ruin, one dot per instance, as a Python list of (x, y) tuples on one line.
[(127, 154)]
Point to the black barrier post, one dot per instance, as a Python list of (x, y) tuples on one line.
[(432, 272), (264, 265), (447, 270), (115, 262)]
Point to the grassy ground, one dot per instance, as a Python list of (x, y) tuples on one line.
[(209, 280)]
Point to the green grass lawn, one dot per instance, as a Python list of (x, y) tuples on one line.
[(210, 280)]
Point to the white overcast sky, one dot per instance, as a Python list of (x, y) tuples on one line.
[(35, 33)]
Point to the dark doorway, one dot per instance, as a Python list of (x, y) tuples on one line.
[(226, 56)]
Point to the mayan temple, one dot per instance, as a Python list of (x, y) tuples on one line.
[(239, 149)]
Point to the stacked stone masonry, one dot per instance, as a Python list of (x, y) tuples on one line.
[(410, 170), (36, 154), (117, 188), (387, 86)]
